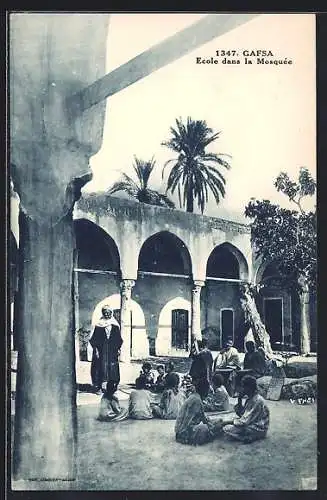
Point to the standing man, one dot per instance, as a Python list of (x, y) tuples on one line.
[(106, 341), (201, 368)]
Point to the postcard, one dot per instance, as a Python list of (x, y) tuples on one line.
[(162, 251)]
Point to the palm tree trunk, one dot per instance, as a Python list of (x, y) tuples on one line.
[(190, 202)]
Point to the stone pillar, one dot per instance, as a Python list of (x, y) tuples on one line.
[(45, 417), (51, 57), (125, 318), (196, 310), (304, 318)]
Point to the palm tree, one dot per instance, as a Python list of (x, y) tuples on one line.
[(139, 189), (193, 170)]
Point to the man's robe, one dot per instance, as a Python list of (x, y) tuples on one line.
[(106, 366)]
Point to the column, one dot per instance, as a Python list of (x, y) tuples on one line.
[(45, 418), (51, 146), (305, 318), (196, 310), (126, 286)]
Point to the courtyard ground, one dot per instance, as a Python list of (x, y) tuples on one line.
[(143, 455)]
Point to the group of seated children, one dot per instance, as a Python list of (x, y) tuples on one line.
[(187, 402), (251, 423), (143, 404), (147, 375)]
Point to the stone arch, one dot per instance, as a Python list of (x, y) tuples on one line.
[(164, 252), (139, 339), (164, 335), (96, 248), (265, 271), (227, 261)]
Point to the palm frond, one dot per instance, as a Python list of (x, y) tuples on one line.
[(213, 171), (173, 160), (143, 170), (216, 158), (200, 188), (174, 178), (166, 201), (217, 187), (123, 186), (126, 178)]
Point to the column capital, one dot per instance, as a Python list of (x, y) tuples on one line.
[(126, 286), (197, 285)]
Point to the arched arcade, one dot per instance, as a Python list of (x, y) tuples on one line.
[(176, 304)]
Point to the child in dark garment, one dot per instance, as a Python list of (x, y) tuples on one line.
[(147, 375), (160, 383)]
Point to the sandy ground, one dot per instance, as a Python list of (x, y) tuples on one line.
[(143, 455)]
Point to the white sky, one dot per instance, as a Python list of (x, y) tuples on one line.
[(266, 113)]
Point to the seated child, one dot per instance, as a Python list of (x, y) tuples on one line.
[(170, 367), (110, 409), (192, 426), (254, 359), (172, 399), (187, 385), (252, 422), (140, 401), (147, 374), (160, 382), (218, 399)]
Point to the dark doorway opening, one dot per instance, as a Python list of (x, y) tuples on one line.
[(273, 315), (179, 328)]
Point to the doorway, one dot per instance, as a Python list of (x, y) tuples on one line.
[(273, 316)]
